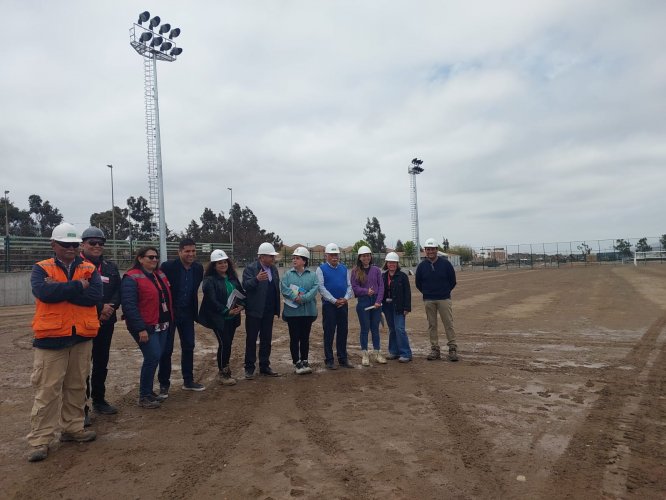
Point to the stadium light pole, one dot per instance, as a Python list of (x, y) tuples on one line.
[(231, 216), (413, 170), (154, 46), (113, 217)]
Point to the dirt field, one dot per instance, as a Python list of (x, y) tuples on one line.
[(560, 393)]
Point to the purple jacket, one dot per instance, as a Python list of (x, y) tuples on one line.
[(372, 280)]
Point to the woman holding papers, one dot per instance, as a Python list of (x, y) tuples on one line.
[(299, 288), (368, 286), (221, 307)]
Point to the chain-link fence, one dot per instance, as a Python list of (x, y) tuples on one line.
[(20, 253), (569, 253)]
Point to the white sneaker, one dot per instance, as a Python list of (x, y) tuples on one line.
[(365, 359), (298, 368), (380, 358), (306, 367)]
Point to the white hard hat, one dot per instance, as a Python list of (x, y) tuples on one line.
[(65, 233), (302, 252), (364, 249), (430, 243), (332, 248), (217, 255), (392, 257), (266, 249)]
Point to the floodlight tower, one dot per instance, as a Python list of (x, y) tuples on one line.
[(413, 170), (153, 47)]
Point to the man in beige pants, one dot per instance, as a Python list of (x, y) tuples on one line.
[(67, 290), (435, 279)]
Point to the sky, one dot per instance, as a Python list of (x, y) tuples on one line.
[(536, 121)]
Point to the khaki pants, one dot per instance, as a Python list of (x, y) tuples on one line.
[(59, 379), (445, 310)]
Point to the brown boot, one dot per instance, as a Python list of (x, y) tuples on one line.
[(434, 353)]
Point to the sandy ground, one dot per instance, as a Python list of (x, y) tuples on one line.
[(560, 393)]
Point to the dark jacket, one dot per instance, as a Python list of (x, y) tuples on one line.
[(214, 304), (173, 269), (256, 290), (435, 280), (400, 292), (110, 276)]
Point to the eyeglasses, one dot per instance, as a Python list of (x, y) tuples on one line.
[(64, 244), (151, 257), (96, 243)]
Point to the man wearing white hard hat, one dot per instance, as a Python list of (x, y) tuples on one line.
[(261, 282), (67, 290), (435, 279), (336, 290)]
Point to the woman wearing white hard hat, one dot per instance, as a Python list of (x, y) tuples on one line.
[(220, 281), (299, 288), (397, 304), (368, 286)]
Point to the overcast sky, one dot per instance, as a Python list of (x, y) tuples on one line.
[(536, 121)]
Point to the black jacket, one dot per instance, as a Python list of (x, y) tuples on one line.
[(173, 269), (400, 292), (214, 303), (256, 290), (110, 276)]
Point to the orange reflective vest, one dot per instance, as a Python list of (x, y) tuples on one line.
[(57, 319)]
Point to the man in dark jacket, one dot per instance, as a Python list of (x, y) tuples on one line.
[(261, 282), (435, 279), (185, 276), (92, 249)]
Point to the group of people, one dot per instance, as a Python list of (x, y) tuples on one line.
[(78, 292)]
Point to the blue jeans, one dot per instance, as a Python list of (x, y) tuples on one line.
[(398, 340), (335, 318), (152, 352), (368, 320), (185, 326)]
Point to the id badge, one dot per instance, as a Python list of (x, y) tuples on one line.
[(105, 279), (164, 307)]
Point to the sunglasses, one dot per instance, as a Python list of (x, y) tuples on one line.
[(151, 257), (67, 244), (96, 243)]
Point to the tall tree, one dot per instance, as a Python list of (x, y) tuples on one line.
[(141, 215), (410, 250), (104, 221), (46, 215), (248, 235), (20, 221), (445, 244), (399, 247), (642, 245), (623, 247), (374, 236)]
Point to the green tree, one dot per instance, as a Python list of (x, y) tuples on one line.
[(104, 221), (141, 215), (662, 241), (399, 247), (374, 236), (358, 245), (410, 251), (623, 247), (466, 253), (445, 244), (20, 221), (46, 215), (642, 245), (248, 235)]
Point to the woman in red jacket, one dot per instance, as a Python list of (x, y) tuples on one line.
[(148, 312)]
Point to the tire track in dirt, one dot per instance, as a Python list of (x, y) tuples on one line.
[(597, 456), (474, 451)]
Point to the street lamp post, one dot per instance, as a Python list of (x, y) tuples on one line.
[(231, 216), (6, 231), (154, 46), (113, 217), (413, 170)]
